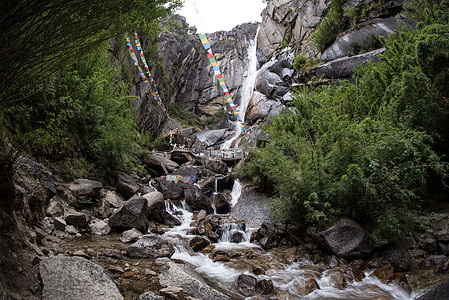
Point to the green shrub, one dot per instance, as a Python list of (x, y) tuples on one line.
[(299, 61), (366, 150), (328, 29)]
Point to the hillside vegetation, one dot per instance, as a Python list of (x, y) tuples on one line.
[(373, 151)]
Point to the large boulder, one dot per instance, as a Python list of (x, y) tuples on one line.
[(156, 161), (185, 277), (345, 66), (157, 211), (346, 239), (375, 27), (86, 187), (246, 284), (126, 185), (214, 164), (396, 256), (77, 219), (133, 214), (210, 137), (75, 278), (39, 172), (171, 189), (100, 228), (222, 203), (260, 107), (150, 246), (113, 199)]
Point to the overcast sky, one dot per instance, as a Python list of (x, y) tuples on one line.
[(217, 15)]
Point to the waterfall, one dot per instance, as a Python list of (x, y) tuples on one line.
[(246, 91), (236, 192)]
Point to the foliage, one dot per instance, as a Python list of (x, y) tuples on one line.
[(302, 61), (329, 28), (372, 42), (287, 38), (187, 118), (364, 150), (80, 111), (48, 32)]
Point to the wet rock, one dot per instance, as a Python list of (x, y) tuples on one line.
[(353, 273), (440, 292), (400, 280), (258, 271), (130, 236), (86, 187), (185, 277), (246, 284), (150, 246), (172, 293), (264, 287), (59, 224), (133, 214), (252, 208), (384, 273), (222, 205), (236, 237), (150, 296), (398, 257), (75, 278), (55, 209), (126, 185), (198, 243), (200, 215), (100, 228), (157, 211), (170, 189), (346, 239), (306, 286), (113, 199)]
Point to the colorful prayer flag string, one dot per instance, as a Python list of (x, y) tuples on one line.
[(222, 83), (151, 83)]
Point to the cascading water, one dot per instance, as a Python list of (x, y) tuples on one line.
[(236, 192), (247, 90)]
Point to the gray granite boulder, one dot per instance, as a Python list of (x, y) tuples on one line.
[(133, 214), (151, 246), (74, 278), (346, 239)]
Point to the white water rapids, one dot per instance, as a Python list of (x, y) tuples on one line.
[(287, 277)]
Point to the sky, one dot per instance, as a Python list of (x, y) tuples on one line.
[(215, 15)]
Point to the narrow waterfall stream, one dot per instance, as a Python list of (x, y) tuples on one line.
[(246, 92)]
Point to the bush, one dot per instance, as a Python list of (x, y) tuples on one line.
[(364, 150), (329, 28)]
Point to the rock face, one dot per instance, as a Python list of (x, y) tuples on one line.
[(344, 67), (375, 27), (150, 246), (133, 214), (345, 239), (75, 278)]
